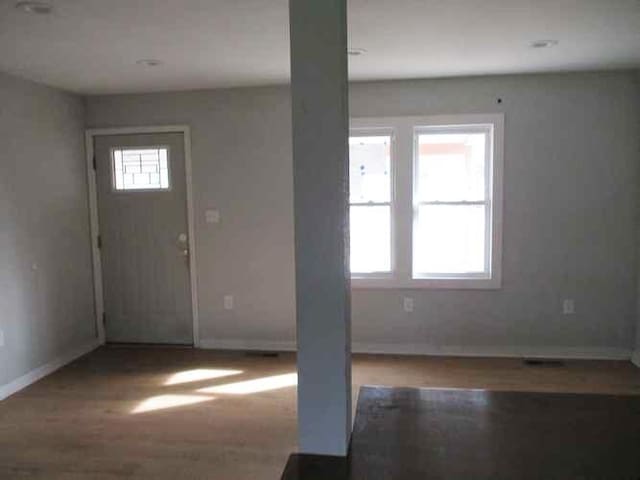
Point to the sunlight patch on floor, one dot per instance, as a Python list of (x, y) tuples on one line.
[(162, 402), (254, 386), (198, 375)]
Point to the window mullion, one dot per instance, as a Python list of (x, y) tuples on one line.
[(403, 205)]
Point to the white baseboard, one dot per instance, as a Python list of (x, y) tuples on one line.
[(635, 358), (586, 353), (44, 370)]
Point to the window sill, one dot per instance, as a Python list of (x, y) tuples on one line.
[(426, 284)]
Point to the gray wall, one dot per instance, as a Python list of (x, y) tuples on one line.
[(571, 177), (242, 165), (46, 295), (636, 353)]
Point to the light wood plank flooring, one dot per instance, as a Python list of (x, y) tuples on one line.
[(155, 413)]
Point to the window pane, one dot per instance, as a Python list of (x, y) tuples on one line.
[(140, 169), (370, 169), (449, 239), (370, 239), (451, 166)]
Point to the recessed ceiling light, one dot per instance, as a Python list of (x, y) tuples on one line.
[(544, 43), (354, 52), (40, 8), (149, 62)]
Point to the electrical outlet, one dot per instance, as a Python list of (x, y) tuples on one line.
[(568, 306), (407, 304), (1, 338), (228, 302)]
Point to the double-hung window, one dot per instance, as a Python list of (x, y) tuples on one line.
[(426, 201), (371, 202)]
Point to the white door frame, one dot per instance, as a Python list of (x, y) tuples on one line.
[(95, 225)]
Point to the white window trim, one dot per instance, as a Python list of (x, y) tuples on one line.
[(375, 132), (138, 191), (402, 210)]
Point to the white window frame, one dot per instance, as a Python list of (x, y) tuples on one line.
[(402, 213), (381, 132), (137, 191)]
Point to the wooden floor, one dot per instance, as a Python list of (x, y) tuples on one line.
[(160, 413), (458, 434)]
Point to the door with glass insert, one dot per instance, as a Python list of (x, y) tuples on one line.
[(144, 246)]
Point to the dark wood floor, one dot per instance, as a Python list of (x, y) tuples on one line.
[(414, 433)]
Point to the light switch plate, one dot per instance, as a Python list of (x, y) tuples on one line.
[(212, 216), (1, 338), (568, 306)]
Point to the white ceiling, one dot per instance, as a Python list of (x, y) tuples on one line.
[(91, 46)]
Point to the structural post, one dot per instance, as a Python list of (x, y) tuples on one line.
[(320, 167)]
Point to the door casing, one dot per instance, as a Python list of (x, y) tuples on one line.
[(94, 223)]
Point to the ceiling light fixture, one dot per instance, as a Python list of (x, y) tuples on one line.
[(544, 43), (38, 8), (355, 52), (149, 62)]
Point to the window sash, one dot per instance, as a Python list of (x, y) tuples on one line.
[(379, 273), (486, 272), (381, 132), (488, 131), (405, 202)]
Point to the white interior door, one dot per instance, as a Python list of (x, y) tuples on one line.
[(142, 209)]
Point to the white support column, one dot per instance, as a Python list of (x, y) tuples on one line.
[(320, 164)]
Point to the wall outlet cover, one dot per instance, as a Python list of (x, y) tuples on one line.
[(568, 306), (228, 302), (407, 304)]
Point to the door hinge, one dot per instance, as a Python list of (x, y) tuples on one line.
[(95, 164), (99, 241)]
